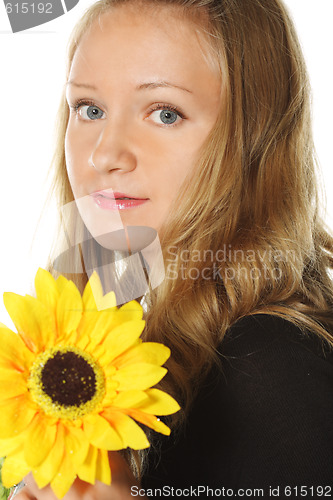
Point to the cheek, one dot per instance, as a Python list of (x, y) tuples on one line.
[(181, 162), (76, 159), (166, 181), (71, 151), (187, 153)]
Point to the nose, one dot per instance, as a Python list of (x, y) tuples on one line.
[(113, 150)]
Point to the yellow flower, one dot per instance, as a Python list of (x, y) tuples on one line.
[(72, 381)]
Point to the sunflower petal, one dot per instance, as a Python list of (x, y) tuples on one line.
[(13, 470), (130, 399), (64, 478), (101, 434), (10, 446), (146, 352), (123, 337), (47, 470), (103, 470), (93, 292), (132, 435), (69, 309), (39, 438), (159, 403), (139, 376), (32, 320), (61, 283), (46, 289), (16, 415), (88, 299), (87, 470), (76, 445), (107, 302), (93, 296), (12, 384), (14, 353), (150, 421), (96, 325), (130, 312), (88, 324)]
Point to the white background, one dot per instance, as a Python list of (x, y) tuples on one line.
[(32, 67)]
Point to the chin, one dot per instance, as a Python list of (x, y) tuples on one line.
[(130, 239)]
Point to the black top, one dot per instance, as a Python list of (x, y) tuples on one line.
[(263, 421)]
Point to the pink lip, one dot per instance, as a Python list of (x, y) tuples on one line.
[(109, 200)]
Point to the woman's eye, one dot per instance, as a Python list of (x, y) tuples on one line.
[(165, 116), (90, 112)]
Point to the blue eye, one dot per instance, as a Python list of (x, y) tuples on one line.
[(165, 116), (88, 110), (91, 113), (168, 117)]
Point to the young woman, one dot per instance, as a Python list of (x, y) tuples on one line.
[(191, 117)]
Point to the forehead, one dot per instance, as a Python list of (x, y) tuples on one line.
[(129, 39)]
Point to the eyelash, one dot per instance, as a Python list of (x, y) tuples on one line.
[(169, 107), (85, 102), (82, 102)]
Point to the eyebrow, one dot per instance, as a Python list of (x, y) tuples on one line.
[(85, 85), (154, 85), (142, 86)]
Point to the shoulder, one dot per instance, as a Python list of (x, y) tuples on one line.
[(274, 340), (261, 332), (273, 357)]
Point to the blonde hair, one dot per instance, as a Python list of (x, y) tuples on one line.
[(253, 199)]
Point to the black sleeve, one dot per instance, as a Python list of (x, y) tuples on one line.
[(262, 420)]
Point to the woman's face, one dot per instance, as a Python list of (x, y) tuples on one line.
[(143, 96)]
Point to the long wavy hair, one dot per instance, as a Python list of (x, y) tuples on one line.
[(246, 236)]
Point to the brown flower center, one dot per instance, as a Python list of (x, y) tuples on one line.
[(66, 382), (68, 379)]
